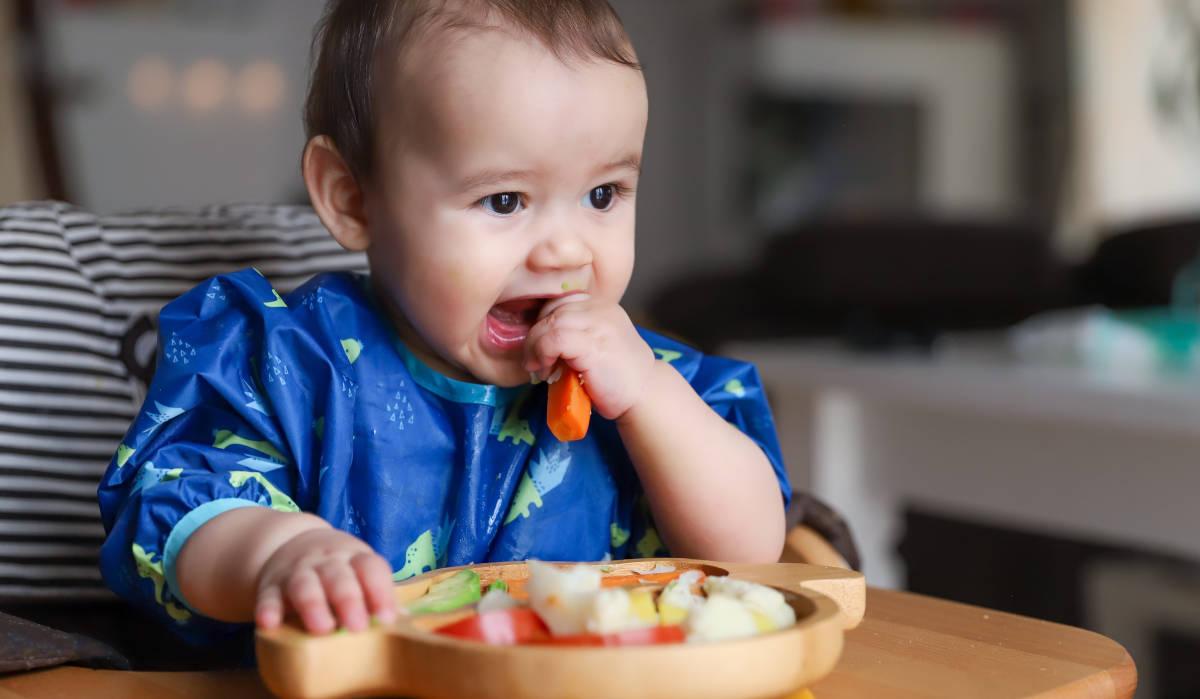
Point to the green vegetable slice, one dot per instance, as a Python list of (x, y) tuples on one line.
[(451, 594)]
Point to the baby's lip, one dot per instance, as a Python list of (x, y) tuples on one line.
[(541, 297), (510, 321)]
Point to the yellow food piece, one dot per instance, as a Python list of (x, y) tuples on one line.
[(642, 604), (671, 615), (762, 621)]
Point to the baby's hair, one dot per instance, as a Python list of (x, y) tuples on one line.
[(353, 34)]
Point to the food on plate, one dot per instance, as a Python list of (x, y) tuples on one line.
[(451, 594), (582, 606)]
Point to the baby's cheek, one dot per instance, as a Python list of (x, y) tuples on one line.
[(613, 270)]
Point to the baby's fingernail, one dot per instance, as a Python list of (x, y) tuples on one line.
[(534, 378), (555, 375), (383, 619)]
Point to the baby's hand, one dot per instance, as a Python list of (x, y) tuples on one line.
[(599, 341), (329, 579)]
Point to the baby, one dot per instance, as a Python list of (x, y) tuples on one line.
[(296, 455)]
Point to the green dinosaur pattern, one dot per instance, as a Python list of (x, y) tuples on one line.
[(152, 570), (736, 388), (543, 475), (650, 544), (527, 495), (353, 348), (514, 427), (666, 355), (124, 453), (419, 558), (279, 499), (619, 535), (223, 439), (277, 303)]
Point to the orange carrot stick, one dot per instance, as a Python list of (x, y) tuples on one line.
[(568, 408)]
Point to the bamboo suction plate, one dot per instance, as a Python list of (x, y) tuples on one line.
[(407, 659)]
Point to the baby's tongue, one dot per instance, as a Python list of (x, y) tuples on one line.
[(522, 313)]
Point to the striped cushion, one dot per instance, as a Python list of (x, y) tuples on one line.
[(79, 295)]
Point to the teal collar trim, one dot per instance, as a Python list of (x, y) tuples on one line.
[(453, 389)]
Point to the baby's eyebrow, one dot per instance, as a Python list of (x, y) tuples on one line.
[(629, 162), (488, 178)]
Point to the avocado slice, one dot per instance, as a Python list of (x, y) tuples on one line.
[(451, 594), (499, 585)]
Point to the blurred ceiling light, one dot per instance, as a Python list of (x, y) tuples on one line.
[(205, 85), (149, 84), (260, 87)]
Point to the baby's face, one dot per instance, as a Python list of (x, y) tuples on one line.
[(506, 180)]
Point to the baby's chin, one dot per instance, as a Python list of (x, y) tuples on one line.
[(502, 372)]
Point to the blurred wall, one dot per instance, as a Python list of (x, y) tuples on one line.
[(18, 174), (157, 101), (1131, 160), (688, 216)]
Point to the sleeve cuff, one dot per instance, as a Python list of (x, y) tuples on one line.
[(183, 530)]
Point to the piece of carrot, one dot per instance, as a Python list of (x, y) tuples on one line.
[(568, 408), (640, 579)]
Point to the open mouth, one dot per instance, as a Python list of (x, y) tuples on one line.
[(508, 323)]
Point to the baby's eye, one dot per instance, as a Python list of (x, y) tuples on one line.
[(601, 198), (504, 204)]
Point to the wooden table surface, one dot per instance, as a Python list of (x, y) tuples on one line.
[(908, 646)]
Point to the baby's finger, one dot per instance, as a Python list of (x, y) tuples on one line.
[(345, 594), (375, 577), (565, 344), (268, 611), (564, 321), (562, 302), (305, 595)]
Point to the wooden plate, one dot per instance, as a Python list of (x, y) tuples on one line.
[(408, 660)]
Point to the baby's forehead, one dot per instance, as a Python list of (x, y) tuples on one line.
[(482, 68)]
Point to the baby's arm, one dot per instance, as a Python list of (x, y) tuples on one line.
[(253, 563), (711, 489), (210, 472)]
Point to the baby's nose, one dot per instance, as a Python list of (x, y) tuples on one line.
[(560, 252)]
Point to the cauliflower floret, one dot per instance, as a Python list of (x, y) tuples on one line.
[(563, 598), (677, 599), (617, 609), (769, 605), (720, 618), (496, 601)]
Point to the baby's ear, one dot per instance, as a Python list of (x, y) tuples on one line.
[(335, 194)]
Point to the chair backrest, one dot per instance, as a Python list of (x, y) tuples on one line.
[(79, 300)]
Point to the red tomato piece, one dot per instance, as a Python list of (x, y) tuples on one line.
[(502, 628)]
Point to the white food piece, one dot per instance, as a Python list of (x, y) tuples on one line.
[(496, 601), (677, 599), (720, 618), (613, 612), (660, 568), (767, 602), (563, 598)]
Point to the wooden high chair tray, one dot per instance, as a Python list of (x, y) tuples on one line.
[(408, 659)]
